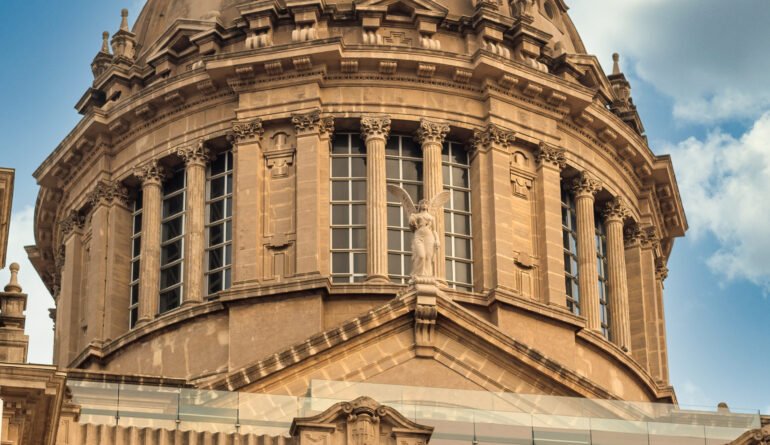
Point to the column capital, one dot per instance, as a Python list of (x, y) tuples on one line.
[(105, 192), (640, 236), (150, 173), (484, 139), (661, 271), (195, 154), (431, 132), (70, 221), (375, 127), (550, 155), (615, 210), (326, 125), (307, 122), (585, 184), (249, 129)]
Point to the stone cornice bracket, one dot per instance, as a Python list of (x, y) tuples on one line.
[(71, 221), (431, 132), (306, 123), (194, 154), (661, 271), (375, 127), (585, 184), (251, 129), (615, 210), (493, 135), (150, 173), (425, 329), (105, 192), (550, 155)]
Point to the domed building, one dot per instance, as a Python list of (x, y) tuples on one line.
[(234, 218)]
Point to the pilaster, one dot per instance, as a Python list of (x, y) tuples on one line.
[(550, 161), (71, 254), (151, 175), (584, 188), (248, 174), (490, 173), (640, 243), (614, 213), (375, 130), (195, 157), (431, 136)]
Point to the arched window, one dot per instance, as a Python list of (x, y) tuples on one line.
[(172, 241), (403, 167), (348, 209), (457, 216), (219, 226), (569, 235), (601, 266)]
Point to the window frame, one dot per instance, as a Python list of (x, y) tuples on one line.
[(569, 232), (226, 221), (180, 237), (601, 265), (135, 263), (450, 235)]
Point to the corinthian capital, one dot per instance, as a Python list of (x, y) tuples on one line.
[(307, 122), (106, 192), (248, 129), (72, 220), (375, 127), (431, 132), (151, 173), (585, 185), (195, 154), (326, 125), (549, 155), (615, 210), (492, 135), (641, 236)]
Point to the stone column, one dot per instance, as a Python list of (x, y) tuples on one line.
[(492, 208), (69, 260), (614, 213), (584, 188), (641, 243), (375, 130), (151, 175), (246, 141), (661, 273), (195, 157), (431, 136), (312, 192), (550, 250)]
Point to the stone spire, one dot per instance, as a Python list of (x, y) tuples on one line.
[(103, 58), (623, 106), (13, 303), (124, 42)]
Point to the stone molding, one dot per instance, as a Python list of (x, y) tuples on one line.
[(150, 173), (195, 154), (549, 155), (492, 135), (251, 129), (105, 192), (615, 210), (431, 132), (375, 127), (585, 184)]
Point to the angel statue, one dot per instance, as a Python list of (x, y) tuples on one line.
[(425, 242)]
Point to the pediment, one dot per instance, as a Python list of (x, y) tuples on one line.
[(179, 38), (403, 7)]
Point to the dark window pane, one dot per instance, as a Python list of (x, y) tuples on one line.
[(357, 145), (217, 187), (215, 282), (228, 254), (340, 214), (169, 300), (391, 147), (215, 258), (394, 264), (137, 223), (174, 183), (461, 201), (408, 235), (340, 280), (359, 190), (568, 286), (409, 148), (229, 183), (138, 202), (415, 191), (407, 264), (565, 239), (340, 167), (340, 239), (450, 270), (135, 294), (462, 224), (216, 211), (392, 170), (218, 164), (228, 280), (216, 234), (445, 175), (171, 252), (340, 262), (460, 177), (173, 205), (170, 276), (135, 271), (137, 247), (359, 214), (340, 191), (411, 170), (462, 248), (359, 263), (358, 167), (340, 144), (228, 230), (133, 317), (394, 216), (447, 222), (171, 229), (463, 272), (394, 240), (359, 279), (459, 155), (229, 205), (445, 152), (359, 238)]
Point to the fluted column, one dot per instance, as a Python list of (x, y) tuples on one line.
[(550, 248), (151, 175), (614, 213), (375, 130), (431, 136), (195, 157), (584, 188)]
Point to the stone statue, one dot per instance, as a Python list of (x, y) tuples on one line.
[(425, 242)]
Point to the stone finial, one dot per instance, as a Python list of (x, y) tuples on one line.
[(615, 66), (106, 42), (13, 285), (124, 19)]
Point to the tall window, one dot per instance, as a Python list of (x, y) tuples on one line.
[(172, 242), (601, 266), (457, 216), (403, 163), (569, 229), (136, 247), (348, 209), (219, 226)]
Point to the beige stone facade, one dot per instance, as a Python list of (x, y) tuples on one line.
[(219, 216)]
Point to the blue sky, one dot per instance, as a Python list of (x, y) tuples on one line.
[(698, 71)]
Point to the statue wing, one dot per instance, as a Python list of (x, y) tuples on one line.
[(404, 197), (438, 201)]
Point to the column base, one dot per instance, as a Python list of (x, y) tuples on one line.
[(190, 303), (377, 279)]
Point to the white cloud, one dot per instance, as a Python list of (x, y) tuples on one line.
[(707, 55), (691, 395), (39, 326), (725, 184)]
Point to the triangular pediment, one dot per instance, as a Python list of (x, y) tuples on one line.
[(178, 39), (403, 7)]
